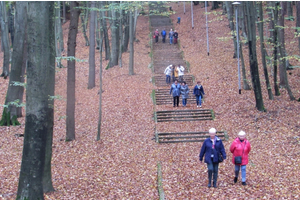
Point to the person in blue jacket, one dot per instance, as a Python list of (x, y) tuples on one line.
[(175, 91), (212, 148), (199, 93)]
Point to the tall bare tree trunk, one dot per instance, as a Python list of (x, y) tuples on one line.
[(231, 25), (126, 32), (58, 34), (290, 11), (11, 14), (275, 51), (263, 50), (73, 29), (298, 21), (39, 115), (64, 12), (245, 82), (251, 18), (120, 35), (100, 89), (114, 38), (84, 21), (15, 88), (105, 31), (91, 82), (131, 46), (4, 39)]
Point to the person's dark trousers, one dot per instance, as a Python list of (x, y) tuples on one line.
[(164, 39), (212, 172), (173, 78), (175, 101), (168, 79), (156, 39)]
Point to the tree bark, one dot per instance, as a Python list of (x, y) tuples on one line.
[(15, 89), (91, 82), (64, 12), (58, 34), (131, 36), (97, 27), (105, 32), (126, 32), (120, 36), (73, 29), (40, 85), (11, 15), (215, 5), (275, 51), (250, 9), (281, 38), (290, 11), (114, 39), (245, 82), (231, 25), (84, 20), (100, 89), (263, 50), (4, 39), (298, 22)]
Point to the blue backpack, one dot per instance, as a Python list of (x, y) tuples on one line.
[(163, 33)]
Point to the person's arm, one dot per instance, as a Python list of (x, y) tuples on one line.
[(171, 90), (203, 148), (232, 147)]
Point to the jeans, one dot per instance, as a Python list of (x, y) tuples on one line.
[(163, 39), (173, 78), (176, 101), (171, 40), (168, 79), (184, 101), (212, 170), (156, 39), (198, 100), (243, 171)]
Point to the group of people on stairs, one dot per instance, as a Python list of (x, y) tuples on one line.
[(173, 36)]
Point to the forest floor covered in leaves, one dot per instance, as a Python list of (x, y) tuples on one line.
[(123, 164)]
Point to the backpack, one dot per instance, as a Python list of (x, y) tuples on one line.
[(163, 33)]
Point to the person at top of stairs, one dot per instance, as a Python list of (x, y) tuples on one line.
[(156, 34)]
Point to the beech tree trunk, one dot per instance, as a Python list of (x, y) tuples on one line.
[(15, 91), (100, 89), (251, 18), (73, 29), (114, 28), (275, 51), (290, 11), (64, 12), (4, 39), (40, 85), (84, 21), (245, 82), (131, 36), (91, 82), (58, 34), (105, 32), (263, 50), (126, 32), (298, 22), (231, 25), (11, 14), (120, 36)]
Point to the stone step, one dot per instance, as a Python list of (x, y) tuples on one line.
[(184, 115)]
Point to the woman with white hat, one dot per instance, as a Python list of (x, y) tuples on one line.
[(240, 149), (214, 152)]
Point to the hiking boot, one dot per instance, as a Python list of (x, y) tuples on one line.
[(209, 185), (235, 179), (200, 106), (215, 184), (244, 183)]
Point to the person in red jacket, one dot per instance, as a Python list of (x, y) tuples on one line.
[(240, 147)]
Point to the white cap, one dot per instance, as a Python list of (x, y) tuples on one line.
[(212, 130), (241, 133)]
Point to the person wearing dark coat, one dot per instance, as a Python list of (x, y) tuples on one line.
[(212, 148), (175, 35), (175, 91), (199, 93)]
